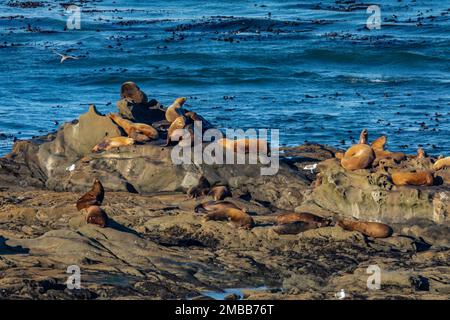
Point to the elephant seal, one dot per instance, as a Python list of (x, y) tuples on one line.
[(111, 143), (93, 197), (237, 217), (370, 229), (95, 215), (219, 192), (419, 178), (174, 110), (441, 163)]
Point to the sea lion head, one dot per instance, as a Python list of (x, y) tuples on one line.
[(131, 90), (421, 153), (364, 136), (180, 100), (379, 143)]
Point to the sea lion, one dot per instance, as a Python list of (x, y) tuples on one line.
[(215, 205), (339, 155), (287, 218), (358, 156), (245, 145), (132, 91), (131, 128), (378, 147), (419, 178), (111, 143), (364, 137), (421, 154), (370, 229), (95, 215), (441, 164), (200, 189), (294, 227), (174, 110), (238, 217), (178, 123), (219, 192), (93, 197)]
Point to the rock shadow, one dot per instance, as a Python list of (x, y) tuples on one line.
[(5, 249)]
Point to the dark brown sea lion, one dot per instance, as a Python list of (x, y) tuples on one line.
[(174, 110), (111, 143), (215, 205), (302, 216), (238, 217), (93, 197), (294, 227), (95, 215), (219, 192), (370, 229), (201, 189), (132, 91), (419, 178)]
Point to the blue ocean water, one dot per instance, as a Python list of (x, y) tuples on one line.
[(308, 68)]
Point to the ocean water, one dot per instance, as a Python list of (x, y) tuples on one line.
[(308, 68)]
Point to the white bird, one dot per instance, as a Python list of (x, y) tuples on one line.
[(71, 168), (311, 167), (340, 295), (65, 57)]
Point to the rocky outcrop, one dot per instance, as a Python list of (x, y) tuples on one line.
[(370, 195)]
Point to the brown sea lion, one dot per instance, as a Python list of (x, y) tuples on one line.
[(132, 128), (200, 189), (294, 227), (111, 143), (219, 192), (441, 164), (339, 155), (95, 215), (245, 145), (178, 123), (238, 217), (370, 229), (132, 91), (378, 147), (421, 154), (364, 137), (174, 110), (215, 205), (93, 197), (419, 178), (287, 218), (358, 156)]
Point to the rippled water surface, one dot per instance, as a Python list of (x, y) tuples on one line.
[(309, 68)]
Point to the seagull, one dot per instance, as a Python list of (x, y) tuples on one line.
[(65, 57), (311, 167), (340, 295)]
